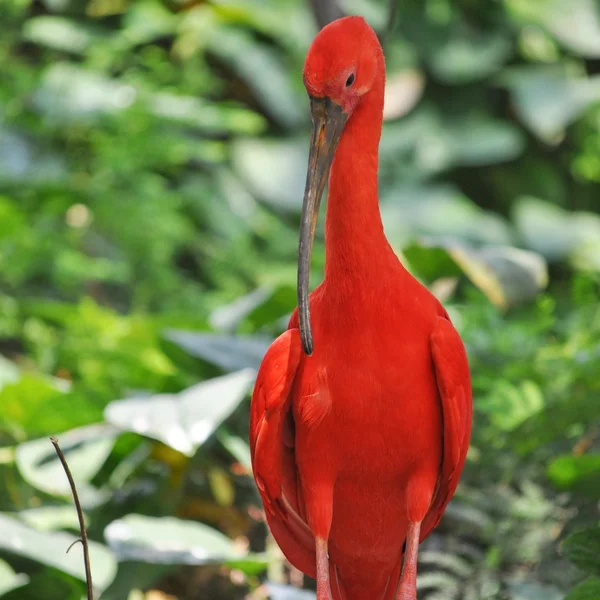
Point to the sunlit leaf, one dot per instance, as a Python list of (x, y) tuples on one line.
[(253, 564), (186, 420), (274, 170), (86, 449), (39, 405), (9, 580), (168, 540), (60, 33), (50, 549), (237, 446), (50, 518)]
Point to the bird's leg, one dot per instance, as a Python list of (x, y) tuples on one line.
[(323, 584), (407, 590)]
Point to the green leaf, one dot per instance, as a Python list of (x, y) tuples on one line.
[(253, 564), (555, 421), (69, 94), (9, 580), (547, 99), (86, 449), (50, 518), (575, 24), (229, 352), (510, 405), (262, 69), (50, 549), (168, 540), (186, 420), (40, 405), (466, 56), (273, 170), (507, 276), (237, 447), (439, 211), (558, 234), (9, 372), (146, 21), (260, 307), (60, 33), (586, 590), (583, 549), (576, 473)]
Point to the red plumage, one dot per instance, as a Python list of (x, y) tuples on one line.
[(362, 442)]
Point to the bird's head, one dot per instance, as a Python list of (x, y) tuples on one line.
[(342, 62), (340, 71)]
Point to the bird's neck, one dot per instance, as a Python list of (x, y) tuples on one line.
[(354, 239)]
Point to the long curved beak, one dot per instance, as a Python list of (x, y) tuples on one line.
[(328, 122)]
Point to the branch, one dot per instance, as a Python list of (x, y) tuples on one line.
[(325, 11), (84, 538)]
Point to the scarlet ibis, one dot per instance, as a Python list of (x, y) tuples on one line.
[(360, 424)]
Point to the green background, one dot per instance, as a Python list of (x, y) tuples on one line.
[(152, 163)]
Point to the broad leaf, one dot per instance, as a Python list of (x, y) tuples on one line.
[(586, 590), (558, 234), (583, 549), (547, 99), (575, 24), (9, 580), (230, 352), (168, 540), (576, 473), (273, 170), (186, 420), (86, 449), (507, 276), (51, 549)]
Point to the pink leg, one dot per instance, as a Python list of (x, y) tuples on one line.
[(323, 584), (407, 590)]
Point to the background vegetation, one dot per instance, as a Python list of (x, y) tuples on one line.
[(152, 159)]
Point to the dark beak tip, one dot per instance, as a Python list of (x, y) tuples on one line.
[(307, 341)]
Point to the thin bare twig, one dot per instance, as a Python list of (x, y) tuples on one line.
[(84, 538)]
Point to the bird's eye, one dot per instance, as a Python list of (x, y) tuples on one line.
[(350, 80)]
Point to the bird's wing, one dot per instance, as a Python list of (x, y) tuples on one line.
[(454, 385), (273, 453)]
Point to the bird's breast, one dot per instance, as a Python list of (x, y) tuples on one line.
[(373, 410)]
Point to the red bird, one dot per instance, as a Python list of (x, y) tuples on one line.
[(357, 440)]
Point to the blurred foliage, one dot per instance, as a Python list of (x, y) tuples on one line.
[(152, 158)]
